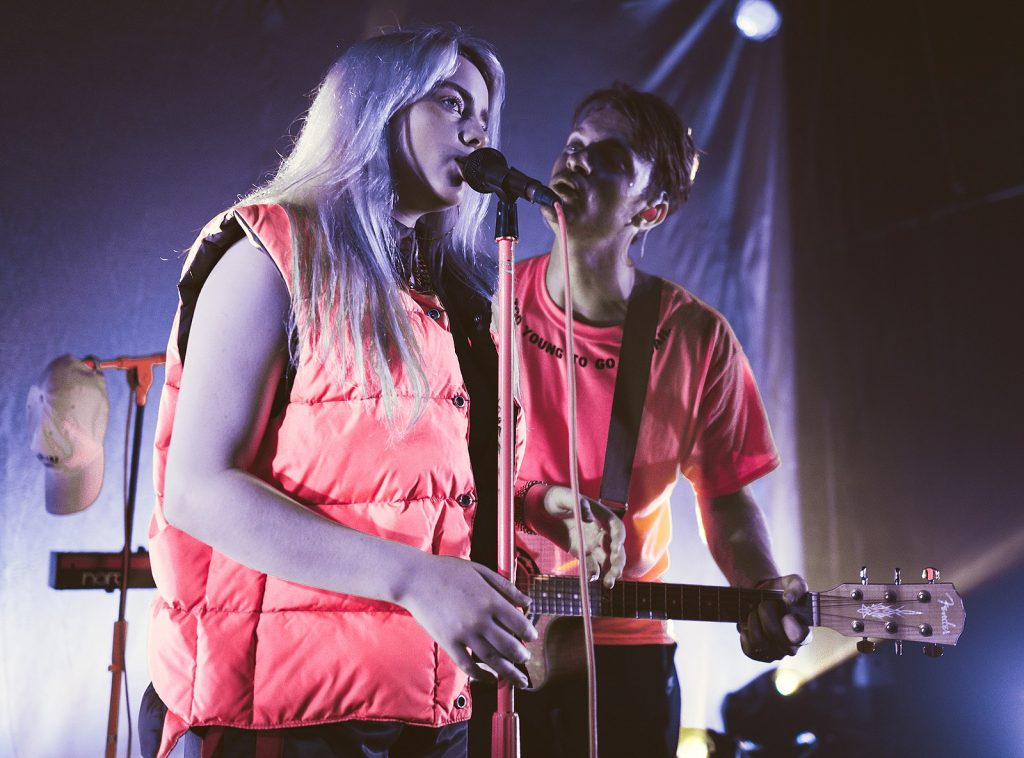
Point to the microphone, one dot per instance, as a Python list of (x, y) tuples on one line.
[(486, 170)]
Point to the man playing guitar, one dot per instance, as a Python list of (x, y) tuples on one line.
[(626, 165)]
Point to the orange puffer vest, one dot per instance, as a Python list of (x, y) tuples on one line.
[(232, 646)]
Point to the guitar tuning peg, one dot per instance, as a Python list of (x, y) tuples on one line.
[(931, 574), (897, 577), (898, 646), (865, 646), (932, 650), (863, 574)]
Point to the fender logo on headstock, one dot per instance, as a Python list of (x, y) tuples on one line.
[(946, 603)]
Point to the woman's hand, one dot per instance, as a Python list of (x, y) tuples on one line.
[(474, 615), (603, 532)]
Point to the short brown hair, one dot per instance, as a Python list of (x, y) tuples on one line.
[(659, 136)]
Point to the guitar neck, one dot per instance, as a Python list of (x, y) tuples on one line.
[(560, 596)]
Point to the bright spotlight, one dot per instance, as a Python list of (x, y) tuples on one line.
[(757, 19), (806, 738), (693, 743), (787, 681)]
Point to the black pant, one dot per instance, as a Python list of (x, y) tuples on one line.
[(638, 705), (346, 739)]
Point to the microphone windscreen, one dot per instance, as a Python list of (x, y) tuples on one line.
[(479, 164)]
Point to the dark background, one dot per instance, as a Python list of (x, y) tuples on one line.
[(907, 195)]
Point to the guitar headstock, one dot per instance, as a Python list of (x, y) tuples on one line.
[(930, 613)]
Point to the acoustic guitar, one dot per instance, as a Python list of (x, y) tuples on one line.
[(930, 613)]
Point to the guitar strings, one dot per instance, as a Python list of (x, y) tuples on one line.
[(557, 595)]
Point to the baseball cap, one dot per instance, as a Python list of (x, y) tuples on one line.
[(68, 412)]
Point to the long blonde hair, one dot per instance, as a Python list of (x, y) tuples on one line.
[(338, 188)]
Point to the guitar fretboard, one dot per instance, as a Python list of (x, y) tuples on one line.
[(560, 596)]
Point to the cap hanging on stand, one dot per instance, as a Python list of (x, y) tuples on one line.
[(68, 412)]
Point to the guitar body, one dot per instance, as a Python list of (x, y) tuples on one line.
[(559, 650)]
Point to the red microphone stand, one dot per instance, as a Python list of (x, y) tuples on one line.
[(140, 378), (505, 722)]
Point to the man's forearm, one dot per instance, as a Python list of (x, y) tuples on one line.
[(738, 538)]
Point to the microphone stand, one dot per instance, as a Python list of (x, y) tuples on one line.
[(505, 721), (140, 378)]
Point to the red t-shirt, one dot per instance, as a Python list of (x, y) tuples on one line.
[(703, 418)]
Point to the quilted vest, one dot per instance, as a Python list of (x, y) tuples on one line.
[(236, 647)]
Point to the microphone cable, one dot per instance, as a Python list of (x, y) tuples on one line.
[(574, 484)]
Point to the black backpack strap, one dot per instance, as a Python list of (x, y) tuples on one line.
[(211, 249), (631, 381), (469, 317)]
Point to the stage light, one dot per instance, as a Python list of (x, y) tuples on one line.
[(806, 738), (757, 19), (693, 743), (787, 681)]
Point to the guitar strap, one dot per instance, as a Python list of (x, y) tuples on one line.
[(638, 333)]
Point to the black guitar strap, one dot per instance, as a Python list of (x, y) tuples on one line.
[(638, 333)]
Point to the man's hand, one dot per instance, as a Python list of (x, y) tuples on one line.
[(770, 632), (603, 532)]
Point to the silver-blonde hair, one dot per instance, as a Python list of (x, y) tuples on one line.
[(337, 185)]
